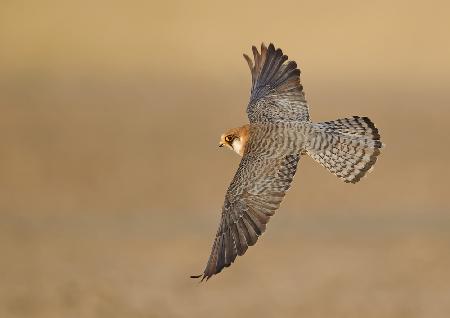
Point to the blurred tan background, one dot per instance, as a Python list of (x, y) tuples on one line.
[(112, 183)]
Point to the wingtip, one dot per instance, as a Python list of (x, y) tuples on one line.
[(249, 61), (255, 51), (204, 277)]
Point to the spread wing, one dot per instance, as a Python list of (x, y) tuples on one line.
[(253, 196), (276, 93)]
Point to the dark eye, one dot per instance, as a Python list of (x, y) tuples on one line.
[(228, 138)]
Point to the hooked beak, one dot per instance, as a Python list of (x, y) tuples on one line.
[(221, 145)]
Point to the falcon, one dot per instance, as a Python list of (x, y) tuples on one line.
[(279, 132)]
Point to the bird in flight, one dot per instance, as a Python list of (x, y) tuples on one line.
[(279, 132)]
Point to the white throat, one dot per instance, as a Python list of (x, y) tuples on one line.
[(237, 146)]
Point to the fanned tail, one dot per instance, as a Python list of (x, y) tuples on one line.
[(347, 147)]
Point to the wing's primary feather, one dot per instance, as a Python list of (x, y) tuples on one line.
[(253, 196), (276, 93)]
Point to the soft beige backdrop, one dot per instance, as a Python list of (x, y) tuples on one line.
[(111, 180)]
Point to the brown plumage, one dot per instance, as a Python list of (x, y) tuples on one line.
[(279, 132), (236, 139)]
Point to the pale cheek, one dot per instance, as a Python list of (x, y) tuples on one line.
[(237, 146)]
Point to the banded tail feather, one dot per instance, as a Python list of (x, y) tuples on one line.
[(347, 147)]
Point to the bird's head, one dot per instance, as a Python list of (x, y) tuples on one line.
[(235, 139)]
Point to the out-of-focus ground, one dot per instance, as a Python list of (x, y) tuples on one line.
[(137, 265), (111, 181)]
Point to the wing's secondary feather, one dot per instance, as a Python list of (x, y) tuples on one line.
[(253, 196), (276, 92)]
